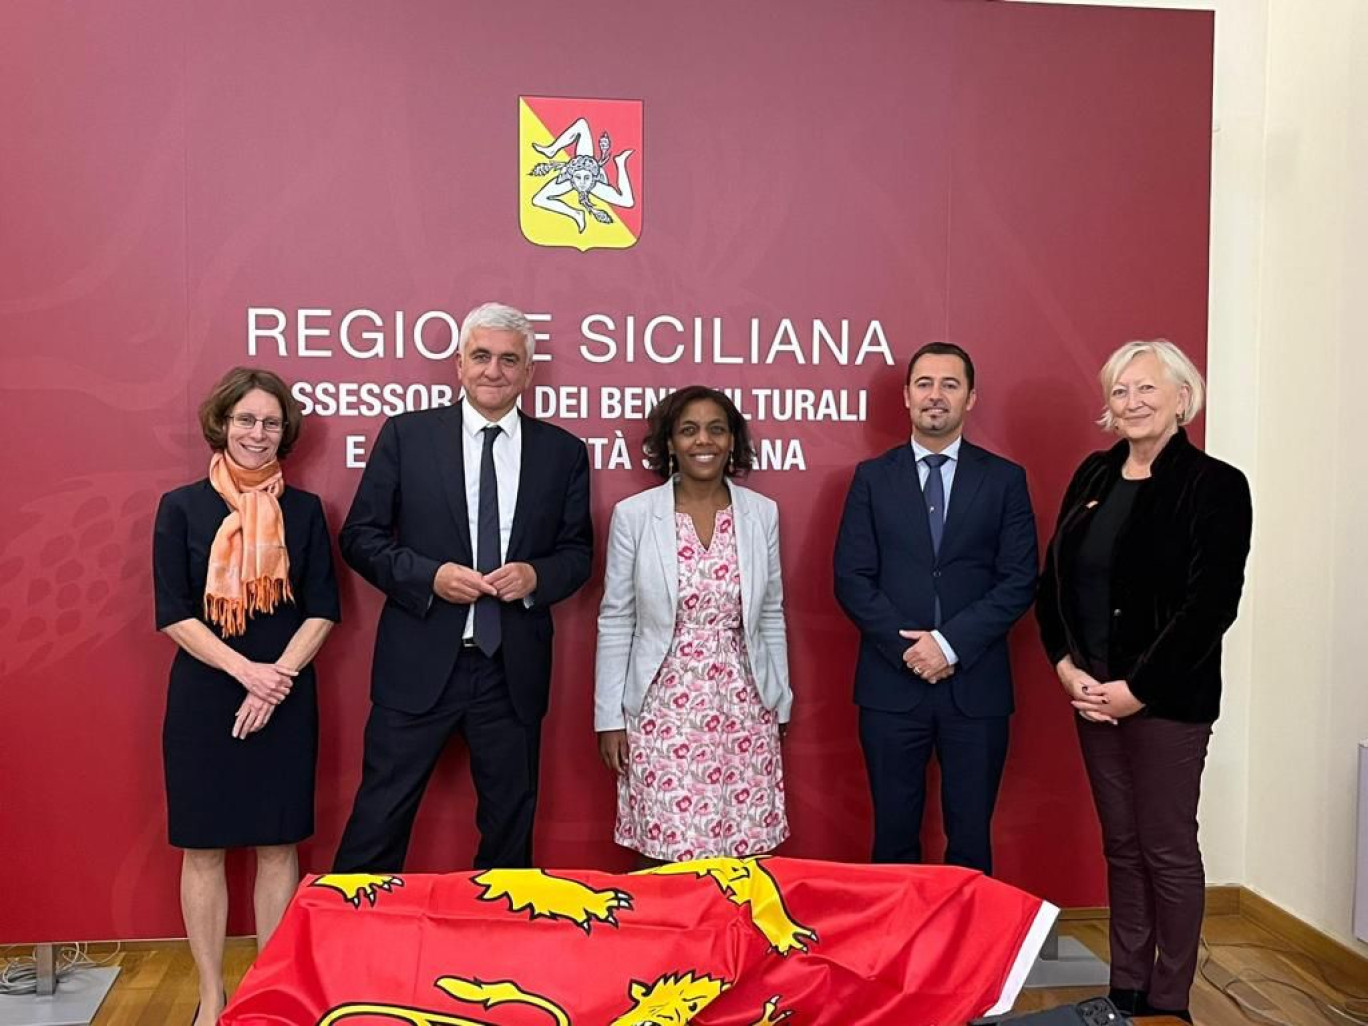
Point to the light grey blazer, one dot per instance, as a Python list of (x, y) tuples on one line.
[(641, 589)]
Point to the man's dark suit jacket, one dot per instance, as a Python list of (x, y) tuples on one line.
[(409, 517), (888, 576)]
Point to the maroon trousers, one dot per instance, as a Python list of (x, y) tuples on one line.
[(1146, 776)]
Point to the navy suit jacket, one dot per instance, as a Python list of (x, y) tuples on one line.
[(888, 576), (409, 517)]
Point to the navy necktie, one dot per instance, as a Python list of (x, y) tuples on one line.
[(934, 494), (488, 629)]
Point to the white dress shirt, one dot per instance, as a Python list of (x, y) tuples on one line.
[(947, 471), (507, 470)]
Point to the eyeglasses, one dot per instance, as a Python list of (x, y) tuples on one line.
[(273, 425)]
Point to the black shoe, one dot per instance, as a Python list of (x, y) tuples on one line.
[(1128, 1002), (194, 1018)]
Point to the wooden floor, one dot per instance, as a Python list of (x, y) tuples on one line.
[(1241, 960), (157, 985)]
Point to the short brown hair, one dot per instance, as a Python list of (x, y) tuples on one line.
[(213, 412), (943, 349), (664, 418)]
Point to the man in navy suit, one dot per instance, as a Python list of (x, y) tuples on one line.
[(935, 560), (473, 520)]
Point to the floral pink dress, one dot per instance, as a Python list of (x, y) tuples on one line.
[(704, 775)]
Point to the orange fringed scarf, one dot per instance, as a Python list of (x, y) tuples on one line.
[(249, 569)]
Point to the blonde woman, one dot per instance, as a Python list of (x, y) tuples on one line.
[(1141, 580)]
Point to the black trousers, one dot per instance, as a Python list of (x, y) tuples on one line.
[(1146, 776), (401, 750), (971, 751)]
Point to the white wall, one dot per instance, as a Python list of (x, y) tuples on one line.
[(1310, 618), (1288, 373), (1237, 212)]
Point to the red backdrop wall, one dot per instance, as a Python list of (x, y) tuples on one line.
[(1029, 181)]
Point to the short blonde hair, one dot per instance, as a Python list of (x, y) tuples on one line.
[(1181, 371)]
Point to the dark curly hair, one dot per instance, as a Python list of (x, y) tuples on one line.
[(213, 412), (664, 418)]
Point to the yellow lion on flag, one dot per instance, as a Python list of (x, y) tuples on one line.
[(673, 1000)]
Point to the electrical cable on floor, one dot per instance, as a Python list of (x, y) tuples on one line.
[(1252, 976), (19, 975), (1301, 956)]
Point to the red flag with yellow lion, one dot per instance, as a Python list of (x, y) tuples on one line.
[(717, 942)]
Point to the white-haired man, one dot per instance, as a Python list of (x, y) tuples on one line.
[(473, 520)]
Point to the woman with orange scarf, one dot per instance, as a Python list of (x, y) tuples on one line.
[(245, 586)]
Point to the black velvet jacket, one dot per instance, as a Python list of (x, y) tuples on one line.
[(1177, 573)]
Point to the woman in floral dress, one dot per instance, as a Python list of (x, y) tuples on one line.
[(691, 689)]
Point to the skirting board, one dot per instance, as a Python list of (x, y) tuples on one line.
[(1322, 947), (1222, 900)]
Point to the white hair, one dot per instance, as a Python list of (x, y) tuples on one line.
[(1181, 371), (498, 317)]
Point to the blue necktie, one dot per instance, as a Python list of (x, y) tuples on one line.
[(934, 494), (488, 628)]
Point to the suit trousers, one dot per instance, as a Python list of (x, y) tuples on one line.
[(401, 750), (1146, 776), (971, 751)]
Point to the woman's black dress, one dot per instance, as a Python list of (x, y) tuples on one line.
[(222, 792)]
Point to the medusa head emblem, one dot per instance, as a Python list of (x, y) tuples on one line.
[(584, 174)]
